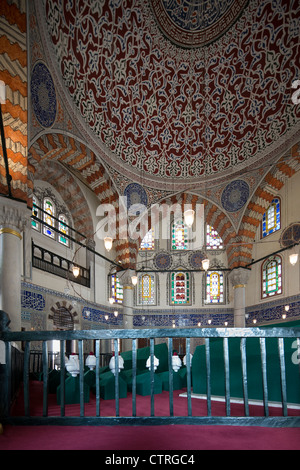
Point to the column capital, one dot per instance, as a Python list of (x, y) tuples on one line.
[(125, 278), (14, 216), (239, 277)]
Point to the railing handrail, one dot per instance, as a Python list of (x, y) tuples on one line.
[(279, 333), (275, 332)]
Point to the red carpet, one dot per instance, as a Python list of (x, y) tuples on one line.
[(170, 437)]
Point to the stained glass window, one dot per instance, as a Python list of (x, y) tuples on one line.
[(116, 289), (180, 288), (271, 218), (34, 223), (146, 289), (148, 242), (179, 236), (272, 277), (213, 241), (64, 230), (214, 287), (49, 213)]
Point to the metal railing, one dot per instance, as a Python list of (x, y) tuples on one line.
[(46, 260), (209, 334)]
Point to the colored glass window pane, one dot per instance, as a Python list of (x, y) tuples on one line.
[(179, 236), (213, 241), (272, 277), (116, 289), (271, 218), (34, 223), (146, 289), (180, 288), (49, 213), (214, 287), (148, 242), (63, 229)]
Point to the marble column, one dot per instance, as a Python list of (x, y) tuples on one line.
[(239, 278), (128, 291), (14, 218)]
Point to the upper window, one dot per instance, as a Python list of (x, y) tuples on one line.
[(49, 213), (213, 241), (271, 218), (51, 223), (34, 223), (215, 287), (63, 229), (180, 288), (272, 277), (179, 236), (146, 289), (148, 242), (116, 289)]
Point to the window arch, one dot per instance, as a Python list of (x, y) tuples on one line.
[(180, 288), (179, 236), (146, 289), (214, 287), (272, 277), (271, 218), (49, 214), (213, 240)]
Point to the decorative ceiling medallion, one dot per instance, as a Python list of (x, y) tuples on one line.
[(235, 195), (290, 235), (158, 110), (136, 195), (163, 260), (194, 23), (43, 95)]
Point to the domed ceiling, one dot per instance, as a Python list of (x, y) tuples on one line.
[(173, 93)]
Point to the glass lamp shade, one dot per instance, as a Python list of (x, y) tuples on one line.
[(205, 264), (134, 280), (76, 271), (189, 217), (293, 258), (108, 241)]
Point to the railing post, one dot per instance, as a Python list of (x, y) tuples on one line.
[(97, 377), (244, 371), (152, 374), (189, 381), (170, 351), (26, 379), (62, 378), (134, 363), (208, 382), (264, 374), (227, 376)]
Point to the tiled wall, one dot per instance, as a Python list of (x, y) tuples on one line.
[(38, 301)]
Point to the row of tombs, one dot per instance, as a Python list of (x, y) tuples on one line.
[(179, 372)]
